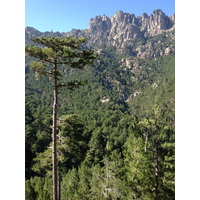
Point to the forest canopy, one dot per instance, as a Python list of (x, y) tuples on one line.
[(116, 133)]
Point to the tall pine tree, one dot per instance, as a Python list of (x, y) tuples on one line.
[(53, 53)]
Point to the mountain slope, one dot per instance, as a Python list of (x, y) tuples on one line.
[(123, 77), (127, 104)]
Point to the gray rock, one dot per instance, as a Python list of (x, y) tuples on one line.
[(122, 30)]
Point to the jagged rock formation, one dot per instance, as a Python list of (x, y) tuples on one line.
[(123, 26), (125, 31)]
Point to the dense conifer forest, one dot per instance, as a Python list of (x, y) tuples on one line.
[(116, 135)]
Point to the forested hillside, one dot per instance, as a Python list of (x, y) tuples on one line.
[(116, 133)]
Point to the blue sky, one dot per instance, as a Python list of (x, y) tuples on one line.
[(63, 15)]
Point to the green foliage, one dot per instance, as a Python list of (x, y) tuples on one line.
[(71, 145), (37, 133), (138, 168), (159, 86), (30, 193), (59, 51), (99, 148), (85, 174), (70, 185), (38, 188), (149, 156)]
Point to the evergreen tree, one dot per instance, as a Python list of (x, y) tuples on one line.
[(84, 173), (56, 52), (30, 193), (139, 174), (71, 146), (149, 157), (38, 188), (107, 177), (70, 185), (96, 183)]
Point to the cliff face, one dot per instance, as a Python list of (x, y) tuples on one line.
[(127, 32), (123, 26)]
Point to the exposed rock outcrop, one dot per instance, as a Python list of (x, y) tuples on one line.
[(123, 27), (127, 32)]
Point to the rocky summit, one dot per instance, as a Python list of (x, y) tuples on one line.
[(143, 36)]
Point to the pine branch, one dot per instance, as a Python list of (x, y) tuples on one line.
[(72, 85)]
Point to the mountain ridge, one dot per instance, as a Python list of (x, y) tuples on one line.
[(126, 32)]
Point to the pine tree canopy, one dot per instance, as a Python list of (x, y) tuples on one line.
[(61, 51)]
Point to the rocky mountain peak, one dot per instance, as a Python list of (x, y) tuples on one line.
[(123, 27), (144, 15), (124, 30)]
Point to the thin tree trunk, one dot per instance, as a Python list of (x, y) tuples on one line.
[(156, 186), (59, 186), (59, 176), (54, 131), (156, 169)]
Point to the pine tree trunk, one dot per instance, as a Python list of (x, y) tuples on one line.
[(54, 131), (156, 169), (59, 186)]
